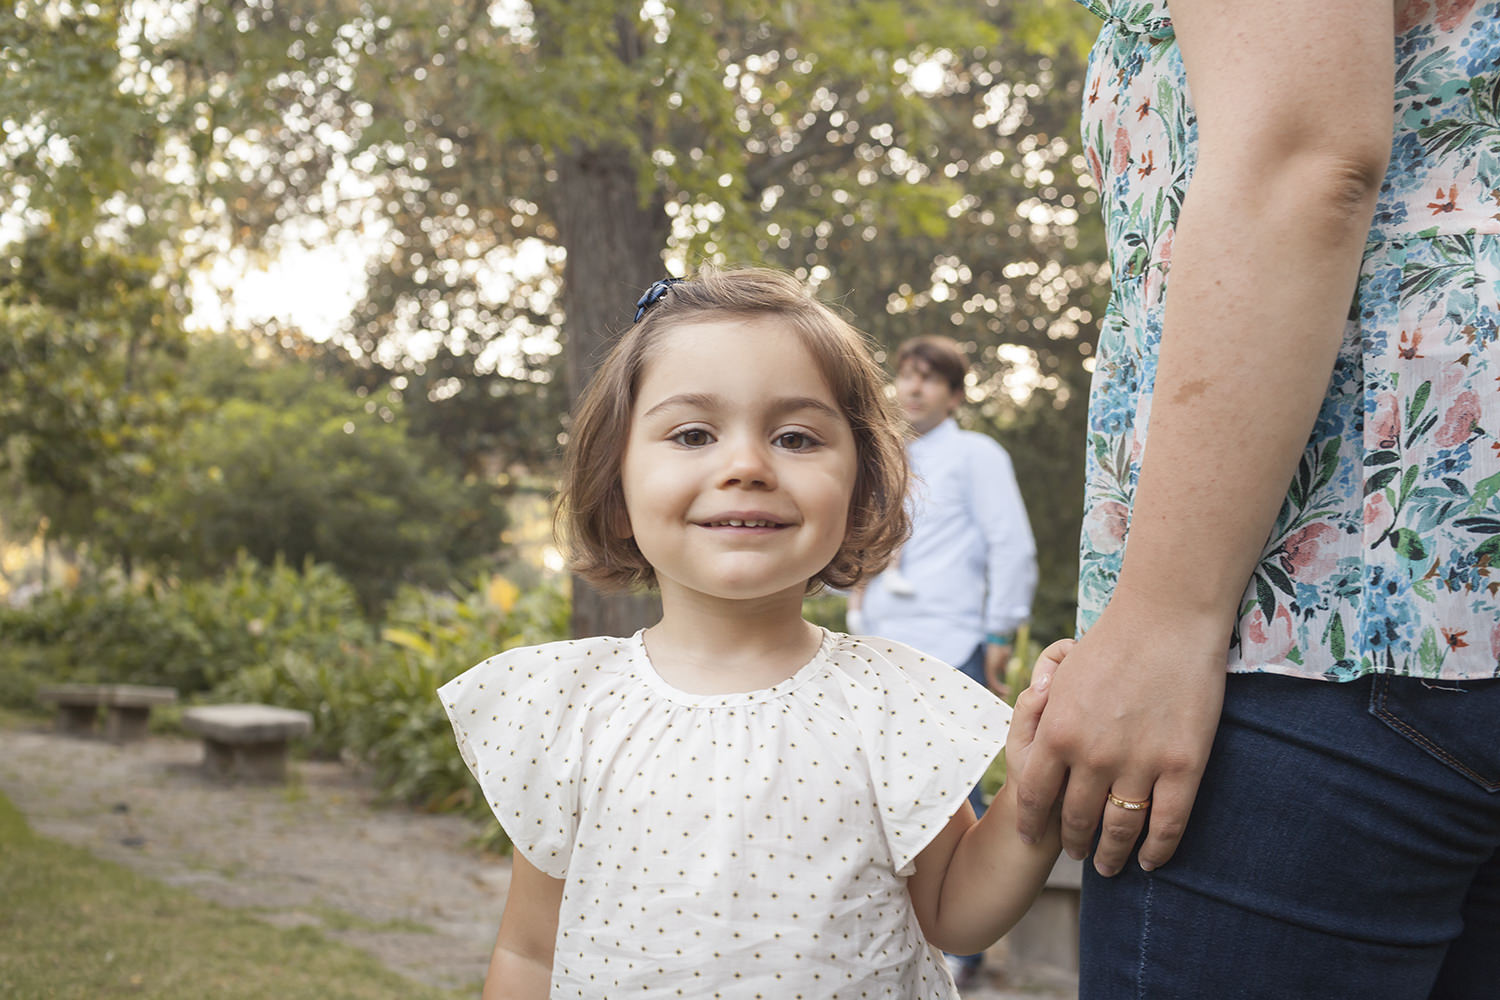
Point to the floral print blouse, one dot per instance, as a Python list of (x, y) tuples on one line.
[(1386, 553)]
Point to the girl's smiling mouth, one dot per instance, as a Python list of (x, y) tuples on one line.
[(751, 521)]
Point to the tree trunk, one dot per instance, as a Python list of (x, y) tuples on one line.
[(614, 239), (614, 246)]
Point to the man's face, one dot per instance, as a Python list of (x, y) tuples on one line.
[(924, 395)]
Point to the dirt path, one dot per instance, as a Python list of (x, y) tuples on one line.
[(409, 888)]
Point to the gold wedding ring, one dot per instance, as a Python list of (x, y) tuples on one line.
[(1129, 805)]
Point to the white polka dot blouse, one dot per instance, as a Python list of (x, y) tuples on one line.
[(729, 846)]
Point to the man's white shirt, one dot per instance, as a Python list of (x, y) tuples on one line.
[(971, 559)]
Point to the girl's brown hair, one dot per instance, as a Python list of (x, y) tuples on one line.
[(591, 508)]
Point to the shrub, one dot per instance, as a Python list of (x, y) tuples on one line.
[(254, 615), (103, 631), (189, 636), (398, 726)]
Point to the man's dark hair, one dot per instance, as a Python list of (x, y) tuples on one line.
[(940, 354)]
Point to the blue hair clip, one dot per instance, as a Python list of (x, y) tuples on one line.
[(654, 294)]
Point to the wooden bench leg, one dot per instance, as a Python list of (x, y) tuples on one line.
[(126, 723), (245, 761), (77, 720)]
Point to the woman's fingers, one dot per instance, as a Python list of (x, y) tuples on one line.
[(1082, 805), (1124, 817), (1174, 797)]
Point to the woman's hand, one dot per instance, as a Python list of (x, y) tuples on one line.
[(1131, 713)]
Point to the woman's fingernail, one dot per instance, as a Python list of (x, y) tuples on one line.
[(1076, 854), (1147, 866), (1028, 839), (1106, 870)]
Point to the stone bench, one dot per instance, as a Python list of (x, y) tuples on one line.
[(1046, 938), (246, 742), (127, 708)]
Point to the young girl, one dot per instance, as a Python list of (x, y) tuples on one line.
[(734, 802)]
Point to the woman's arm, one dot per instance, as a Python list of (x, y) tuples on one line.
[(1294, 102), (976, 879), (521, 964)]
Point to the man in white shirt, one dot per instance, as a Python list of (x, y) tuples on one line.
[(962, 584)]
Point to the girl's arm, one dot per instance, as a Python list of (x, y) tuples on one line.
[(521, 964), (1294, 121), (977, 878)]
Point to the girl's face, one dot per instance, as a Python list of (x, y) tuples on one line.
[(739, 466)]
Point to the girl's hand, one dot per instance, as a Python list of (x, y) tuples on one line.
[(976, 879), (1029, 705)]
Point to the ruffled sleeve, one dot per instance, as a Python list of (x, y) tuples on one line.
[(928, 732), (514, 719)]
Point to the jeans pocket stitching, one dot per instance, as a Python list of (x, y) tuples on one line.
[(1403, 728)]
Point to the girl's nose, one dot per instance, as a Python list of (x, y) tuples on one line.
[(748, 464)]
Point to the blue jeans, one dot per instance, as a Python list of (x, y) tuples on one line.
[(1343, 844), (973, 668)]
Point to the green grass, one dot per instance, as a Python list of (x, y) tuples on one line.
[(72, 925), (339, 920)]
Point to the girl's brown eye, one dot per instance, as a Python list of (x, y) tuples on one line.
[(692, 437), (794, 441)]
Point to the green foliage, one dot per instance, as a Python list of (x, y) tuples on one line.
[(26, 662), (318, 685), (375, 702), (401, 730), (111, 436), (253, 613), (104, 632), (74, 136), (918, 162), (88, 360), (826, 609), (297, 467), (188, 636)]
